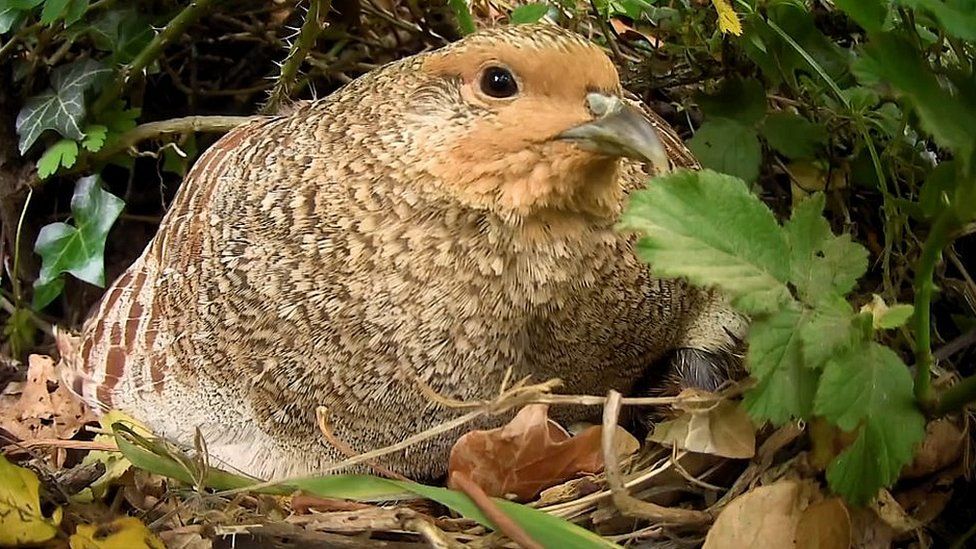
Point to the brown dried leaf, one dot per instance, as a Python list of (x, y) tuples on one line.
[(763, 517), (824, 525), (942, 446), (628, 31), (721, 429), (39, 412), (529, 454)]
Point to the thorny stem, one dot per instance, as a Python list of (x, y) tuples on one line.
[(939, 237), (151, 130), (309, 33), (153, 49)]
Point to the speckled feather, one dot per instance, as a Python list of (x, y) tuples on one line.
[(398, 230)]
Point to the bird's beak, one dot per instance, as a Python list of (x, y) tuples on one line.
[(619, 129)]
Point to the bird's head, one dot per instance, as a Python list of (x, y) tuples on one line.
[(526, 121)]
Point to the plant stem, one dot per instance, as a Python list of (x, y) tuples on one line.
[(153, 49), (957, 397), (15, 278), (311, 28), (938, 238)]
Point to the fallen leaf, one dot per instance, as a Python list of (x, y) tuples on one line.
[(892, 513), (630, 32), (718, 428), (528, 455), (123, 533), (824, 525), (115, 463), (39, 412), (942, 447), (767, 516), (21, 521)]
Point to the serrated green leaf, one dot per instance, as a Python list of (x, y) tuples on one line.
[(870, 389), (794, 136), (118, 119), (821, 264), (956, 17), (830, 330), (61, 108), (737, 99), (707, 227), (785, 386), (79, 250), (528, 13), (52, 11), (887, 317), (63, 153), (870, 14), (94, 137), (728, 147), (462, 12), (861, 98)]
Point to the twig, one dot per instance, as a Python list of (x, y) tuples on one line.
[(956, 345), (151, 130), (41, 324), (26, 445), (153, 49), (625, 503), (499, 519), (325, 427), (309, 33), (611, 37), (414, 522)]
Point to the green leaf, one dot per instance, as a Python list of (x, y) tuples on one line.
[(94, 137), (124, 32), (47, 292), (830, 330), (861, 98), (891, 58), (528, 13), (870, 389), (19, 332), (729, 147), (938, 189), (76, 9), (10, 18), (708, 228), (79, 249), (741, 100), (870, 14), (549, 530), (794, 136), (821, 264), (956, 17), (463, 14), (785, 386), (61, 108), (52, 11), (63, 153), (885, 317)]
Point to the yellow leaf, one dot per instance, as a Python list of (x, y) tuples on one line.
[(123, 533), (21, 521), (728, 20), (115, 463)]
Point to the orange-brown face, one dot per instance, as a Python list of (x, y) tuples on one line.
[(517, 91)]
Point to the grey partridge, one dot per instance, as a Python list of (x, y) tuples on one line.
[(440, 220)]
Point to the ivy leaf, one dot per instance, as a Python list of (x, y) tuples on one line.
[(786, 387), (52, 10), (63, 153), (728, 147), (528, 13), (47, 292), (707, 227), (94, 137), (124, 32), (870, 14), (79, 249), (61, 108), (821, 264), (793, 136), (869, 389)]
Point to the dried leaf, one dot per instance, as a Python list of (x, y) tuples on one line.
[(721, 429), (942, 447), (763, 517), (39, 412), (528, 455), (824, 525), (123, 533), (21, 521)]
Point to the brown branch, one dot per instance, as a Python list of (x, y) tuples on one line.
[(309, 33), (152, 130), (625, 503)]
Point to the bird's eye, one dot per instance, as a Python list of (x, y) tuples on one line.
[(498, 82)]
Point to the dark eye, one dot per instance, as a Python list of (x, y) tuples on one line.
[(498, 82)]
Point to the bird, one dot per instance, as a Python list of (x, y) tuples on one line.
[(444, 222)]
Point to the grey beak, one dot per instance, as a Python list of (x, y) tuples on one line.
[(619, 129)]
